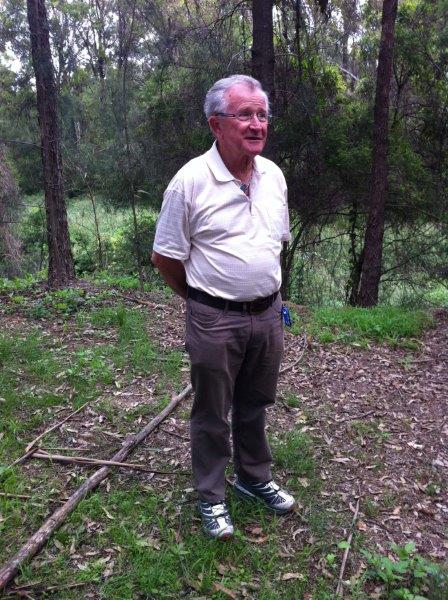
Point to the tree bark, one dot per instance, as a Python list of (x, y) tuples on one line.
[(367, 294), (263, 60), (60, 260)]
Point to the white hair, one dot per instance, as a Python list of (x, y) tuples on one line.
[(214, 100)]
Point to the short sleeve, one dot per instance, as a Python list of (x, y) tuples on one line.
[(172, 237)]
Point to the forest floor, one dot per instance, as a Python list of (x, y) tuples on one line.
[(359, 434)]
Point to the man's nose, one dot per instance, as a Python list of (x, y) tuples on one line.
[(255, 121)]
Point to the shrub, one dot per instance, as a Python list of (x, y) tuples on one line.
[(124, 242)]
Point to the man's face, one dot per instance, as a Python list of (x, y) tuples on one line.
[(239, 139)]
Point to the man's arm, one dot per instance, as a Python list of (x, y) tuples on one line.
[(172, 271)]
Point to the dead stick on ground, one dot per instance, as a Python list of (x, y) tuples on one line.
[(84, 460), (20, 496), (53, 427), (25, 497), (22, 458), (140, 301), (38, 539), (340, 588), (51, 588)]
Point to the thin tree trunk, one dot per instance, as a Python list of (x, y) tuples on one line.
[(61, 268), (97, 230), (367, 294), (354, 257), (124, 69), (263, 60)]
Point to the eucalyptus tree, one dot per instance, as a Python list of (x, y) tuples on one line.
[(60, 260)]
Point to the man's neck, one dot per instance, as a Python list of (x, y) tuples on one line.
[(240, 168)]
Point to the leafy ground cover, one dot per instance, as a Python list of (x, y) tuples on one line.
[(352, 422)]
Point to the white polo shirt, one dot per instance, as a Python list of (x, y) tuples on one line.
[(230, 244)]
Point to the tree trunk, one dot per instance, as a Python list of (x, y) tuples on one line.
[(367, 294), (60, 260), (263, 45), (125, 47)]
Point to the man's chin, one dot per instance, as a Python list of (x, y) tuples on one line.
[(255, 146)]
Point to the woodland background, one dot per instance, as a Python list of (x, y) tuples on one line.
[(130, 79), (100, 104)]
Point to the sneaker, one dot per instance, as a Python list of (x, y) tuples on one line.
[(216, 520), (268, 493)]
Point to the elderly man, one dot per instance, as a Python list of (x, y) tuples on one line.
[(218, 242)]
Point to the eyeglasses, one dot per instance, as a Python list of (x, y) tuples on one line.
[(246, 116)]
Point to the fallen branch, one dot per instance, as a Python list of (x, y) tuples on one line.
[(83, 460), (22, 458), (25, 497), (178, 435), (340, 588), (20, 496), (43, 590), (152, 305), (71, 448), (38, 539), (53, 427)]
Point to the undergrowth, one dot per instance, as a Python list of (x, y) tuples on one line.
[(361, 326)]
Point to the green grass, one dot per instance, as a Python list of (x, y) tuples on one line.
[(292, 400), (27, 368), (80, 215), (294, 455), (142, 539), (21, 284), (123, 282), (438, 296), (150, 544), (134, 346), (361, 326), (158, 550), (38, 374)]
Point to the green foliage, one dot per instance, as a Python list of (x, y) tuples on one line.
[(389, 324), (83, 233), (19, 283), (62, 302), (438, 296), (33, 235), (292, 400), (407, 576), (124, 240), (124, 282)]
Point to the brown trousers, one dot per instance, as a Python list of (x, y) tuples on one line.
[(235, 360)]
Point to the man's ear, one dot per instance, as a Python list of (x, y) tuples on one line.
[(215, 125)]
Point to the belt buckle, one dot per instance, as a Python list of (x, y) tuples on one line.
[(254, 310)]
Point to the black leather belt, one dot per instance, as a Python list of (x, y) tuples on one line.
[(253, 307)]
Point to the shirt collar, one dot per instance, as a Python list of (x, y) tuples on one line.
[(219, 169)]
